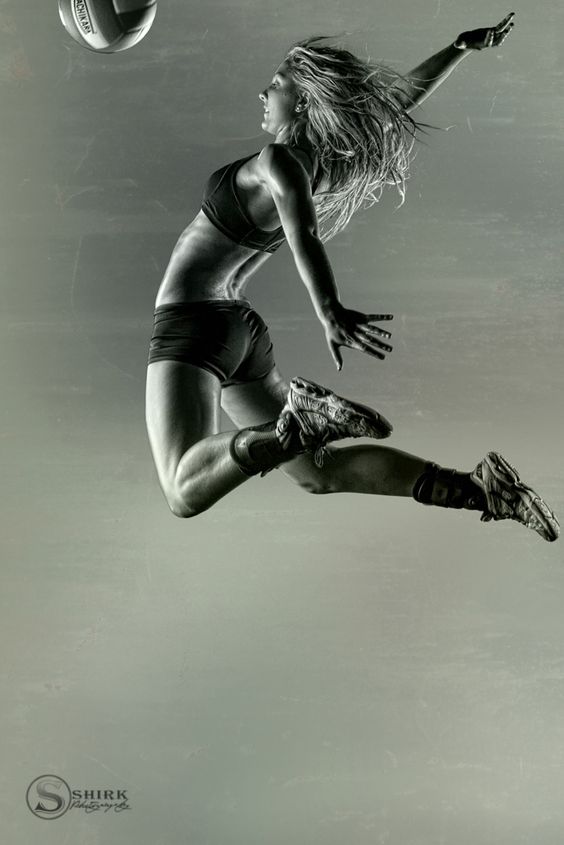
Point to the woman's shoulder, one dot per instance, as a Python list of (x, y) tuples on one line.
[(282, 160)]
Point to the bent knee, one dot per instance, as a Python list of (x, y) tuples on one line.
[(181, 507), (182, 511)]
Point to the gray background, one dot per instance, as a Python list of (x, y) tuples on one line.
[(284, 667)]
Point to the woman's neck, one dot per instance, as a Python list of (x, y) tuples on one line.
[(292, 135)]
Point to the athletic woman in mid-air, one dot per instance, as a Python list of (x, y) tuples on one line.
[(342, 130)]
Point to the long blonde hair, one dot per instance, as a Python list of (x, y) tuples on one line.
[(361, 133)]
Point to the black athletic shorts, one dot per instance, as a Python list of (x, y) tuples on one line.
[(226, 337)]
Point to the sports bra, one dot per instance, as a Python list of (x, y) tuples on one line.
[(222, 207)]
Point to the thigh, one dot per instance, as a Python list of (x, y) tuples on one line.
[(181, 408), (255, 402)]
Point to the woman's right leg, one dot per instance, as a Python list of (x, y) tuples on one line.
[(197, 466), (193, 460)]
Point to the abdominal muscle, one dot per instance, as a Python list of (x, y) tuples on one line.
[(205, 264)]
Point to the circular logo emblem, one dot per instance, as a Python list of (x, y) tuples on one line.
[(48, 797)]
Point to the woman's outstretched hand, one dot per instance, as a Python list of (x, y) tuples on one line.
[(478, 39), (357, 331)]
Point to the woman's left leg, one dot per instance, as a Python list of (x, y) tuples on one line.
[(494, 487)]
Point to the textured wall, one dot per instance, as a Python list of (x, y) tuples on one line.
[(285, 667)]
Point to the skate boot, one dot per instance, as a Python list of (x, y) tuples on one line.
[(322, 417), (508, 498), (312, 417)]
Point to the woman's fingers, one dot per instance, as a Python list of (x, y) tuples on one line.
[(367, 348), (336, 354), (375, 318), (501, 38), (502, 30), (369, 319), (366, 337), (373, 331), (371, 345), (506, 23), (360, 344)]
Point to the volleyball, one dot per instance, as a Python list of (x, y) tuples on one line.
[(107, 26)]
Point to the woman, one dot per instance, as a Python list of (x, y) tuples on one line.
[(341, 131)]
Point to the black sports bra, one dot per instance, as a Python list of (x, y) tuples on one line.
[(222, 207)]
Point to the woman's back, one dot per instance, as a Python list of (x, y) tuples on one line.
[(213, 256)]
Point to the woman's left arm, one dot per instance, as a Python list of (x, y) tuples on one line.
[(288, 183), (420, 82)]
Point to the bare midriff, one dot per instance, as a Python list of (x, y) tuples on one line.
[(206, 264)]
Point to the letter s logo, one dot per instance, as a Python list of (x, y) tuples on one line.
[(43, 792), (48, 797)]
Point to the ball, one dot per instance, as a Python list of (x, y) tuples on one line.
[(107, 26)]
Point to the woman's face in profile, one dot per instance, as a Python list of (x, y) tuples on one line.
[(279, 99)]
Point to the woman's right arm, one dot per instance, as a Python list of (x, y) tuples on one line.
[(420, 82), (289, 184)]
